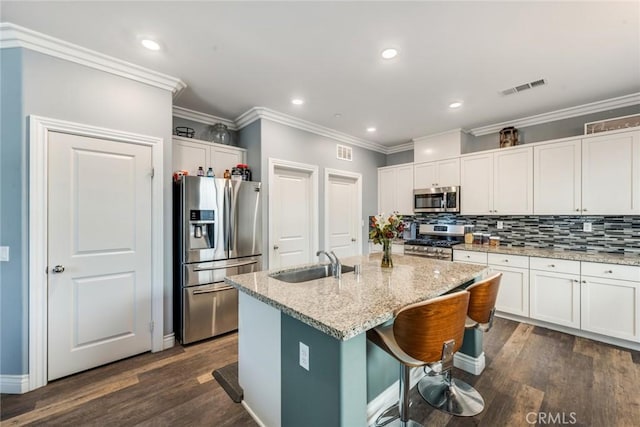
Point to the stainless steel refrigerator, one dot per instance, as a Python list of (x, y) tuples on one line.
[(217, 233)]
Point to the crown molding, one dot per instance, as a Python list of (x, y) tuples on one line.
[(256, 113), (400, 148), (566, 113), (199, 117), (15, 36), (425, 137)]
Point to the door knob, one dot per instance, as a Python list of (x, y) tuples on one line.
[(58, 269), (276, 247)]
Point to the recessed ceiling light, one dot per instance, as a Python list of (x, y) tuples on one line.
[(389, 53), (456, 104), (371, 129), (150, 44), (297, 101), (337, 115)]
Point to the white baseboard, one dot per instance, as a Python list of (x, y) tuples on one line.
[(253, 414), (473, 365), (14, 384), (390, 396), (168, 341)]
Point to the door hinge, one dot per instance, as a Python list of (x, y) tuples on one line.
[(151, 325), (153, 172)]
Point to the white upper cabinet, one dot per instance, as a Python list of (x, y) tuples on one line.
[(591, 176), (557, 178), (395, 189), (189, 154), (476, 184), (444, 173), (513, 182), (611, 174)]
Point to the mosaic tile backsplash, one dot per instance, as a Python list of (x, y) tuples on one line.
[(613, 234)]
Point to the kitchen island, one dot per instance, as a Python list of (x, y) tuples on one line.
[(303, 354)]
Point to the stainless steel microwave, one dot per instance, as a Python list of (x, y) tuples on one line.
[(437, 199)]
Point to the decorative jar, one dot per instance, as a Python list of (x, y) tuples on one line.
[(220, 134)]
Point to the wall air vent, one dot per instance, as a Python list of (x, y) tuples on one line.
[(525, 86), (344, 152)]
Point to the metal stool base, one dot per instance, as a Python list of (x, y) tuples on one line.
[(457, 398)]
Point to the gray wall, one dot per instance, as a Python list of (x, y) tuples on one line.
[(573, 126), (249, 137), (13, 216), (58, 89), (400, 158), (287, 143)]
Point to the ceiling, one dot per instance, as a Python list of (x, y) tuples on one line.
[(237, 55)]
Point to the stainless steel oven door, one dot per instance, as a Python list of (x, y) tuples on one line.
[(209, 310)]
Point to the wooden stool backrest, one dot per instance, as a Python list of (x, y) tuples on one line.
[(422, 328), (483, 298)]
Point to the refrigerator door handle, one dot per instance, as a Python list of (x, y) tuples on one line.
[(240, 264), (232, 213), (227, 214), (210, 291)]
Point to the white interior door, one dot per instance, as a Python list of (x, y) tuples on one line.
[(293, 214), (343, 213), (99, 232)]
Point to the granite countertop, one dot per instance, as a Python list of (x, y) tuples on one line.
[(609, 258), (346, 307)]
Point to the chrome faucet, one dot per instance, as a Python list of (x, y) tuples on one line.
[(336, 267)]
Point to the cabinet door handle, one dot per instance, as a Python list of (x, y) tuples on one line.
[(584, 281), (584, 210), (276, 247), (576, 281), (506, 260), (353, 239), (552, 265), (609, 271), (577, 210)]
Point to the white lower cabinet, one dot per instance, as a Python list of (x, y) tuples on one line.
[(593, 297), (513, 296), (611, 307)]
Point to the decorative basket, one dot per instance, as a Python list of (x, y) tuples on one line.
[(185, 131)]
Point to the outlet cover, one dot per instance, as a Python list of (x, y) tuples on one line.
[(4, 253), (304, 355), (587, 227), (500, 225)]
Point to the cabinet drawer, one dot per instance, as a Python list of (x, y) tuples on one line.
[(611, 271), (470, 256), (551, 264), (509, 260)]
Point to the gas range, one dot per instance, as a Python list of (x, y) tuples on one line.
[(435, 241)]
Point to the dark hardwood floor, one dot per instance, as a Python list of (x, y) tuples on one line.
[(534, 376)]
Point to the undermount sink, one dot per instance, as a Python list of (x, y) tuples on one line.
[(310, 273)]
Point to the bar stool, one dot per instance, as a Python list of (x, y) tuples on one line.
[(450, 394), (422, 333), (482, 304)]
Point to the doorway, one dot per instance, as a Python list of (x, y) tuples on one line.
[(293, 218), (343, 212), (95, 247)]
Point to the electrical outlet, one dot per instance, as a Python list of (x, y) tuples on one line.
[(500, 225), (587, 227), (4, 253), (304, 355)]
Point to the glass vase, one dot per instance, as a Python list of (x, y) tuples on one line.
[(220, 134), (387, 262)]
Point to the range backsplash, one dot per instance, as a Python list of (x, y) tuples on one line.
[(617, 234)]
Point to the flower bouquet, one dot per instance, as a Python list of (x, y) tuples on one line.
[(383, 230)]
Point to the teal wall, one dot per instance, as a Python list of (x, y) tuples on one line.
[(332, 392), (39, 84)]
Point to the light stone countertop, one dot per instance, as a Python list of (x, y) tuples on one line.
[(346, 307), (609, 258)]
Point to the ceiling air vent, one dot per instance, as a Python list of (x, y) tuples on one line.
[(344, 152), (522, 87)]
